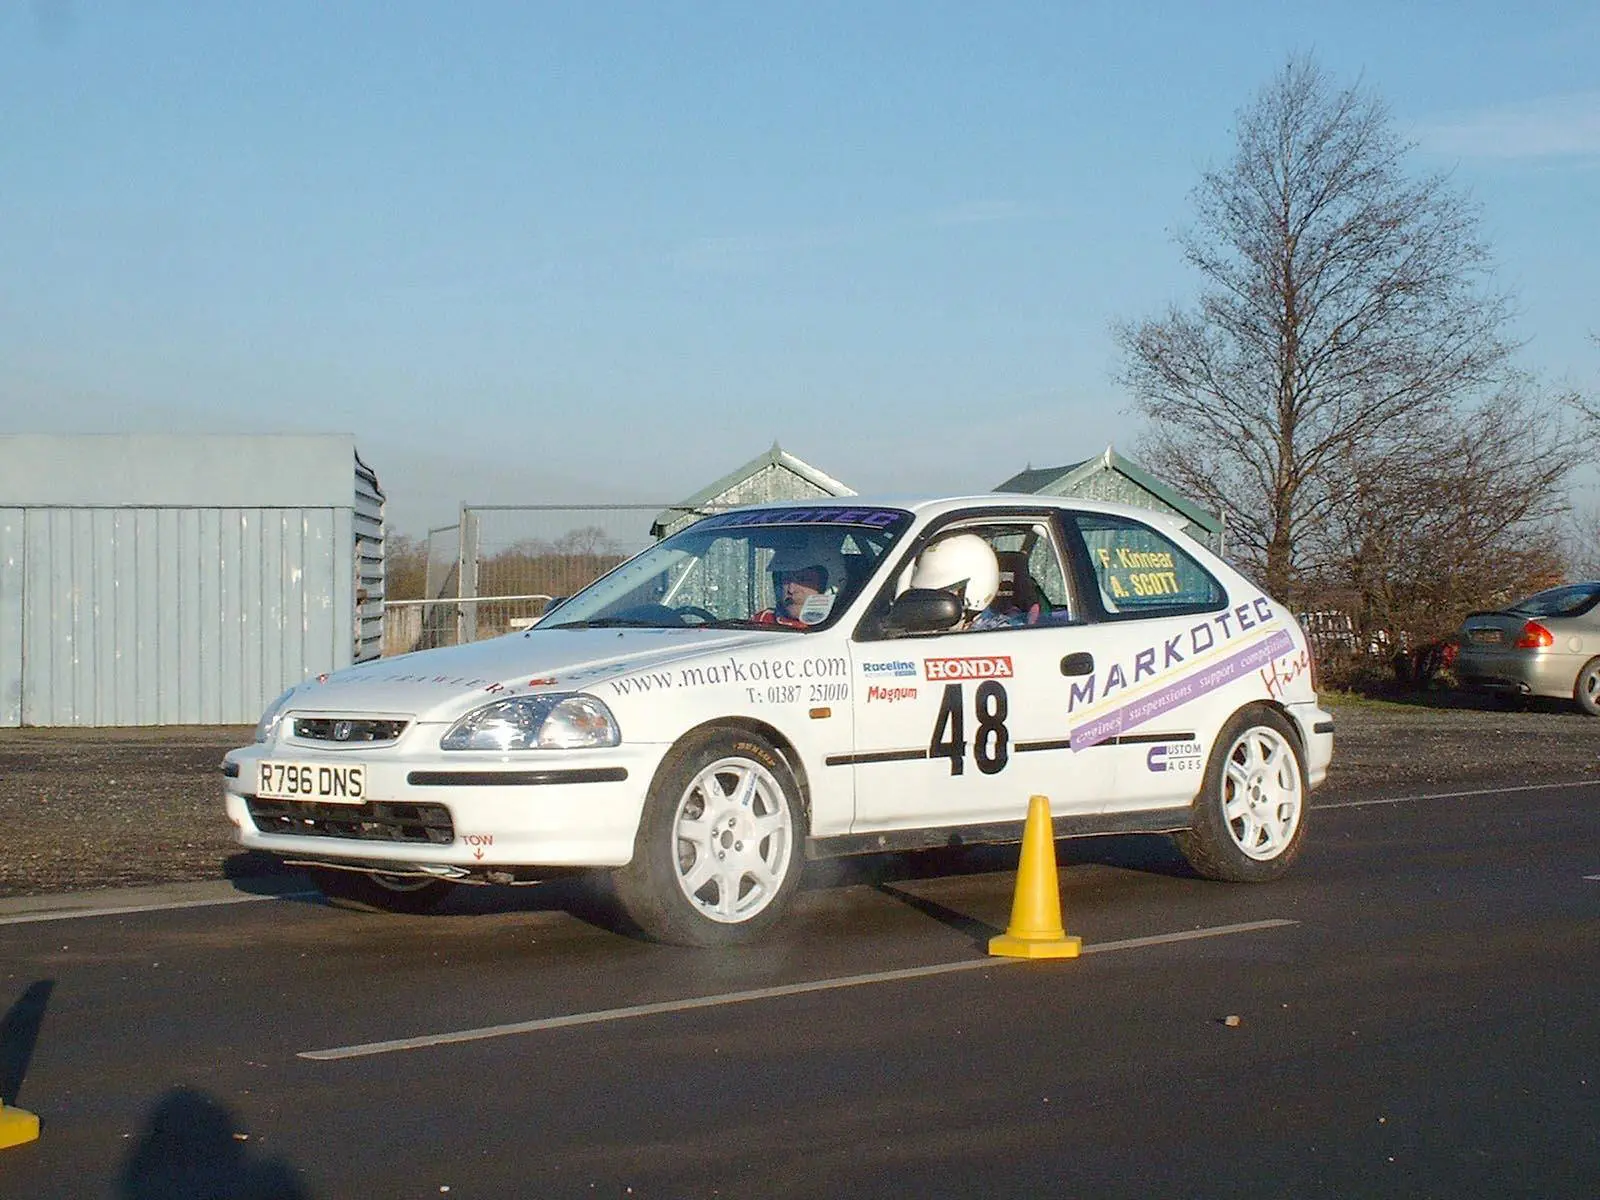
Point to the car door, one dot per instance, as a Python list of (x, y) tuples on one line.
[(1175, 656), (962, 727)]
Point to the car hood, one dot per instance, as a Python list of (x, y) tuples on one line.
[(441, 685)]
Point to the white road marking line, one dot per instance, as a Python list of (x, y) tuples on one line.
[(1596, 878), (72, 914), (793, 989), (1494, 791)]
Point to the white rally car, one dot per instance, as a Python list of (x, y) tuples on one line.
[(806, 680)]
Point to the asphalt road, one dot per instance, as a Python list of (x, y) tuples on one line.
[(1415, 1016)]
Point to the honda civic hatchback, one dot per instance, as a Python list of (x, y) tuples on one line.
[(779, 684)]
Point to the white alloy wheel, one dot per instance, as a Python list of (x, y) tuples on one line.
[(735, 836), (1263, 792), (1248, 819), (719, 848)]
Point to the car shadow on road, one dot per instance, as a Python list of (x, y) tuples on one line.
[(588, 896), (1150, 853), (1145, 853), (258, 874)]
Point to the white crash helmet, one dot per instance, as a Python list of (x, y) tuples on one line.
[(963, 560), (800, 555)]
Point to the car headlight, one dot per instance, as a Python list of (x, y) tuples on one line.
[(569, 722), (267, 727)]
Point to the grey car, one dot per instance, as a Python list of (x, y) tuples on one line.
[(1546, 645)]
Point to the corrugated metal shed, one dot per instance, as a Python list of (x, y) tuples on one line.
[(1112, 477), (775, 475), (156, 580)]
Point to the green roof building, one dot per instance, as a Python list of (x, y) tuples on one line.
[(775, 475), (1112, 477)]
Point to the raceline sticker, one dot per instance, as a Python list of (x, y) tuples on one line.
[(901, 667), (1192, 686), (979, 667)]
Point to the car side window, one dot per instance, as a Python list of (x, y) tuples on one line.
[(1024, 585), (1140, 572), (1033, 586)]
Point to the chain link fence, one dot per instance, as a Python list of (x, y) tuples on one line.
[(502, 565)]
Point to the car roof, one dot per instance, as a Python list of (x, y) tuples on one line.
[(926, 506)]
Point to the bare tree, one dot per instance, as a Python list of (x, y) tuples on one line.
[(405, 567), (1339, 297), (1588, 407), (1585, 539), (1439, 516), (1584, 543)]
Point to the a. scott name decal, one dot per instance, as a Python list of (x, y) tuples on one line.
[(900, 667), (990, 667)]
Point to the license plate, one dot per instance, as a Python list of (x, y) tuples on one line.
[(1487, 635), (343, 783)]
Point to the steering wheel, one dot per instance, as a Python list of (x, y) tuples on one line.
[(694, 610)]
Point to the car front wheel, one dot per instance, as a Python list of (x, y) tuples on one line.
[(1587, 690), (1249, 818), (718, 853)]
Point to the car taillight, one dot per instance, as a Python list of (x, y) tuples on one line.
[(1535, 636)]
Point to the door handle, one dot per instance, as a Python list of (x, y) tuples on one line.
[(1081, 663)]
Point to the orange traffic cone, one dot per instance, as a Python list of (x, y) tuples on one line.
[(1036, 930), (16, 1126)]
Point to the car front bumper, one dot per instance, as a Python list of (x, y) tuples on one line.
[(452, 809)]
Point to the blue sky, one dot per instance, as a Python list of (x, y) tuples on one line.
[(604, 252)]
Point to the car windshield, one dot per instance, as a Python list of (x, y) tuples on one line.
[(783, 568), (1573, 600)]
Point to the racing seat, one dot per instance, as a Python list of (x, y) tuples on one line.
[(1017, 593)]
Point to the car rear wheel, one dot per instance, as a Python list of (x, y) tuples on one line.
[(718, 853), (1249, 818), (1587, 690), (376, 891)]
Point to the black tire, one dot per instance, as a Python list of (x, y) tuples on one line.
[(1249, 818), (1586, 691), (375, 891), (720, 845)]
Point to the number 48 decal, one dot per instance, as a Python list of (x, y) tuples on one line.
[(991, 745)]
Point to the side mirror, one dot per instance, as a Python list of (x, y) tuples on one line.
[(922, 610)]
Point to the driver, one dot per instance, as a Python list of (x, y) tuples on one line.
[(964, 565), (805, 581)]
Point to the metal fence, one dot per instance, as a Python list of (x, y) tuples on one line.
[(498, 569)]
